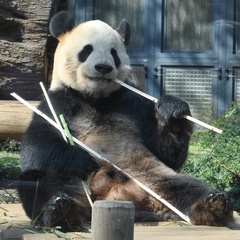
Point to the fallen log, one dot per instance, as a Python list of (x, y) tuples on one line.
[(14, 119)]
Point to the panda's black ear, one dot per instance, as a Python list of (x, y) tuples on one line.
[(61, 23), (124, 31)]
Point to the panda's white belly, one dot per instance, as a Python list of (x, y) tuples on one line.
[(114, 139)]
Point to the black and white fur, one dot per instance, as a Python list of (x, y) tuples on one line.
[(146, 140)]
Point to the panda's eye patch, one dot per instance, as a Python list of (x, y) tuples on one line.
[(115, 57), (85, 52)]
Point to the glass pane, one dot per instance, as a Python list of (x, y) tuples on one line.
[(140, 75), (192, 85), (189, 25), (238, 25), (113, 11)]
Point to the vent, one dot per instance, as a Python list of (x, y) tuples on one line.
[(192, 85), (238, 86)]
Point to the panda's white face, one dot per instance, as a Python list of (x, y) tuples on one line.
[(90, 58)]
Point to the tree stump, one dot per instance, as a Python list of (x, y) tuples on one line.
[(112, 220)]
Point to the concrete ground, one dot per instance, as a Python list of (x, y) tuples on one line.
[(14, 224)]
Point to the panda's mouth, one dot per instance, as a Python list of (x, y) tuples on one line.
[(100, 79)]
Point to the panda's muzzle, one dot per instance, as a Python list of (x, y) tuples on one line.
[(103, 68)]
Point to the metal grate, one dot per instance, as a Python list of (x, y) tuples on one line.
[(238, 87), (192, 85)]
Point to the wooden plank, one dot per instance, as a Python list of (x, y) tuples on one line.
[(14, 119)]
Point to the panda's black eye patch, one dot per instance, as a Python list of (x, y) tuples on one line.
[(85, 52), (115, 57)]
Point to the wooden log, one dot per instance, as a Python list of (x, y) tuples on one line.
[(113, 220), (14, 119)]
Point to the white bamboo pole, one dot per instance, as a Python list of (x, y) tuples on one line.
[(53, 111), (156, 100)]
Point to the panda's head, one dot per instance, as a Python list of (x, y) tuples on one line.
[(90, 56)]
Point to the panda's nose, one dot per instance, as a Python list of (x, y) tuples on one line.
[(103, 68)]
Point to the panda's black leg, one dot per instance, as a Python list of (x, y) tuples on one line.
[(33, 193), (67, 212), (192, 197), (50, 199)]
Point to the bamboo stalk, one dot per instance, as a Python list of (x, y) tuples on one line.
[(65, 134), (217, 130), (70, 138), (156, 100), (101, 158), (65, 126)]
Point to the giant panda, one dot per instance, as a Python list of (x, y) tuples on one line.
[(148, 141)]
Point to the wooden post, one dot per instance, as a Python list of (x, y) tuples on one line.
[(112, 220)]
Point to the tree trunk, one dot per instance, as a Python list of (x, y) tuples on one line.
[(23, 39)]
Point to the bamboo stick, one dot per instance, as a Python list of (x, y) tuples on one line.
[(66, 135), (53, 111), (156, 100)]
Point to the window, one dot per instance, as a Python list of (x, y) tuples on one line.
[(189, 48)]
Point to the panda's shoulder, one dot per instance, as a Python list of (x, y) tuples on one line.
[(125, 94), (133, 97)]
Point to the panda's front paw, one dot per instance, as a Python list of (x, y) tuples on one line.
[(214, 210), (171, 108), (56, 209)]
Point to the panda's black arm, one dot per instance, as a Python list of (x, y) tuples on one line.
[(169, 138), (43, 148), (163, 129)]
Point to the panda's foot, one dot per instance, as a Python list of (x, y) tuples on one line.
[(213, 210), (56, 209)]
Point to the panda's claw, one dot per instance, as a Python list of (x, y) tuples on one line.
[(56, 209), (213, 210)]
